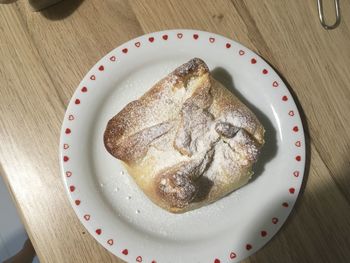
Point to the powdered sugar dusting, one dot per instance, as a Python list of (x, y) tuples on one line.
[(239, 118), (174, 132)]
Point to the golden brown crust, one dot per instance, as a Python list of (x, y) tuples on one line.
[(188, 141), (136, 145)]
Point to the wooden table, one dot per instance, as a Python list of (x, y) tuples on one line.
[(43, 56)]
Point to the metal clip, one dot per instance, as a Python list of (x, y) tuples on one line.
[(337, 14)]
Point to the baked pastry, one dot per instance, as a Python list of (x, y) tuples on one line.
[(188, 141)]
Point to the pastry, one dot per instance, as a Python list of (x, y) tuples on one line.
[(188, 141)]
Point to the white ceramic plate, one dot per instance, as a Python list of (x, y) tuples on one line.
[(119, 215)]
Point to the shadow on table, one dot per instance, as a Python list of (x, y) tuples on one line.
[(317, 228), (25, 255), (311, 216), (61, 10)]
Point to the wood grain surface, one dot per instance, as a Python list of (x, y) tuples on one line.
[(44, 55)]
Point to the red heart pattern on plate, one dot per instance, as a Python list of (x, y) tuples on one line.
[(139, 259), (101, 68), (87, 217), (248, 247), (228, 45), (292, 190), (72, 188), (263, 233), (233, 255), (98, 231), (137, 44), (211, 40), (65, 158), (77, 202), (112, 58), (125, 252), (241, 52), (275, 84), (84, 89), (217, 260), (77, 101), (125, 50), (92, 77), (65, 146), (295, 129), (179, 35), (151, 39), (274, 220), (165, 37), (68, 174), (297, 143), (285, 204), (68, 131), (298, 158), (291, 113), (110, 242), (70, 117), (296, 173), (284, 98), (195, 36), (253, 61), (265, 71)]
